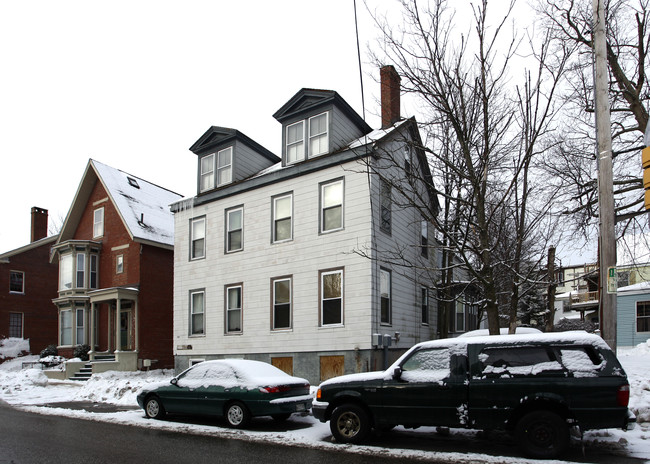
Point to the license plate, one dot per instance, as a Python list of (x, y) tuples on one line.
[(300, 407)]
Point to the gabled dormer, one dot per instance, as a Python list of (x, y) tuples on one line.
[(315, 123), (226, 156)]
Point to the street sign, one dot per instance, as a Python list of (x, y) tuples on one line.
[(612, 280)]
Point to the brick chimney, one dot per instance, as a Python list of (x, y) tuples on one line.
[(39, 223), (389, 96)]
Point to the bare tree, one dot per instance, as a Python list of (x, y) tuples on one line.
[(572, 163), (482, 137)]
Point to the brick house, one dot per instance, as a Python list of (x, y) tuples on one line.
[(269, 255), (27, 286), (115, 261)]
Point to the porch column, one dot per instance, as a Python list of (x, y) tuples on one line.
[(91, 329), (118, 317), (136, 336)]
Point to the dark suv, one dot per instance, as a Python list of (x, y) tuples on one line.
[(537, 386)]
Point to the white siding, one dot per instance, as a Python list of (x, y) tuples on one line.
[(261, 260)]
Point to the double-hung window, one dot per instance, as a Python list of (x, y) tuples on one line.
[(234, 229), (385, 295), (119, 264), (331, 295), (197, 312), (197, 238), (65, 272), (16, 282), (224, 166), (65, 324), (424, 238), (281, 303), (98, 222), (234, 309), (282, 218), (207, 172), (81, 270), (318, 135), (643, 316), (93, 271), (460, 316), (80, 326), (424, 302), (295, 142), (331, 208), (386, 206), (16, 325)]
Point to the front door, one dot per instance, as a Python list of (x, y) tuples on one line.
[(125, 330)]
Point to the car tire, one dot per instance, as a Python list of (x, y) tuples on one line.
[(237, 415), (542, 434), (153, 408), (349, 424), (281, 417)]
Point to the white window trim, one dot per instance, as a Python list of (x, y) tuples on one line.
[(98, 223), (326, 133), (191, 324), (119, 264), (228, 230), (240, 309), (388, 273), (273, 303), (322, 209), (211, 162), (225, 167), (194, 221), (77, 270), (71, 328), (22, 291), (275, 218), (323, 274), (636, 316), (300, 157)]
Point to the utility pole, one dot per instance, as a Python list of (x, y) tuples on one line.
[(605, 179)]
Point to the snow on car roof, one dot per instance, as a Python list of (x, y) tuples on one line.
[(250, 373)]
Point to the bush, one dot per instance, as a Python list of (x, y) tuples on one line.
[(50, 350), (81, 352), (564, 325)]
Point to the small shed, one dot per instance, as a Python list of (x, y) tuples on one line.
[(633, 314)]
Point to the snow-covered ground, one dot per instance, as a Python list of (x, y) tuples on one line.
[(30, 389)]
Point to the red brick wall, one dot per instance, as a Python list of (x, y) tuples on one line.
[(40, 324), (148, 266)]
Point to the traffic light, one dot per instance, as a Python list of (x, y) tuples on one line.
[(645, 157)]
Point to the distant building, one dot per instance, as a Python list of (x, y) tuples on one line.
[(115, 279), (27, 286)]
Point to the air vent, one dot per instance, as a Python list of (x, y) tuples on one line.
[(133, 182)]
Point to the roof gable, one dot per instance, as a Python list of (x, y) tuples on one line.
[(216, 137), (142, 206), (313, 100)]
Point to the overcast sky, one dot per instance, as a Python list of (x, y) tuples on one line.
[(133, 84)]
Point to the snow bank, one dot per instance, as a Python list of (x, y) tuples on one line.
[(13, 347), (120, 388), (635, 363)]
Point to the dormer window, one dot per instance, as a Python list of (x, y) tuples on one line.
[(318, 135), (317, 139), (223, 169), (296, 142)]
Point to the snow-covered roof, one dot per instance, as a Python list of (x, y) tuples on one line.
[(143, 206), (640, 287)]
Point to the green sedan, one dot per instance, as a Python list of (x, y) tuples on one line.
[(236, 389)]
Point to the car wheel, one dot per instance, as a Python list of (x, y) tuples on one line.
[(281, 417), (542, 434), (237, 415), (349, 424), (153, 408)]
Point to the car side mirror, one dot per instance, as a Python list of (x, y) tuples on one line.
[(397, 373), (174, 382)]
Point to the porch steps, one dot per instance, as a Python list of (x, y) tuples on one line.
[(86, 372)]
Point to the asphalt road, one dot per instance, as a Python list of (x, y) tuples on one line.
[(27, 438)]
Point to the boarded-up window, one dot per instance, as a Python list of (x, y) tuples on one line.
[(285, 364), (331, 366)]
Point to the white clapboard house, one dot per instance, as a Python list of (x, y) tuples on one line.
[(279, 259)]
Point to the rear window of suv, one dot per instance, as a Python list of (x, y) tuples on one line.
[(518, 361)]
